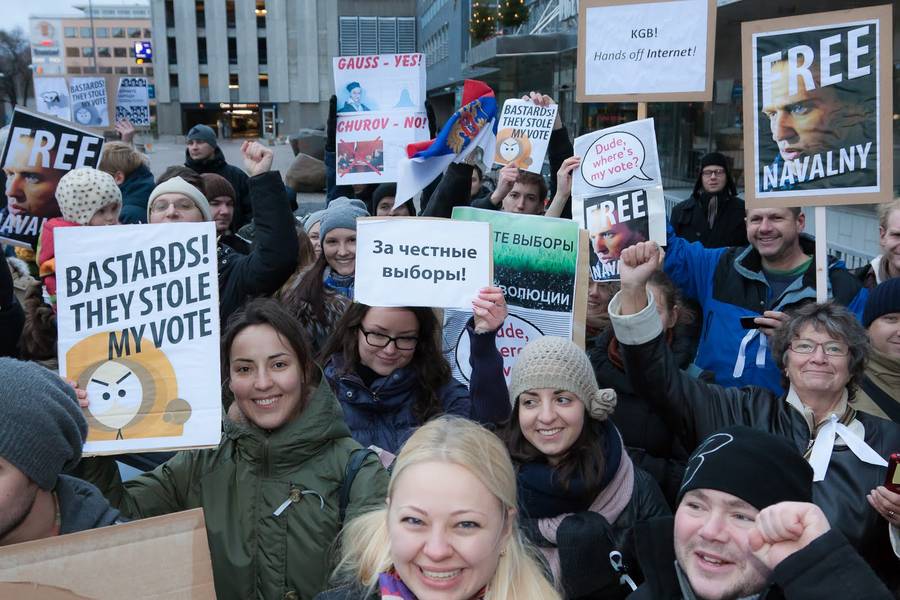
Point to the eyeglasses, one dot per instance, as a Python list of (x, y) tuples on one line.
[(829, 348), (711, 172), (379, 340), (181, 205)]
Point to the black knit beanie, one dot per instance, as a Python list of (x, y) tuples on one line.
[(759, 468), (42, 428), (884, 298), (714, 159)]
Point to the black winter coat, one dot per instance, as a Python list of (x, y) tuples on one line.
[(650, 443), (243, 207), (12, 316), (827, 568), (691, 223), (274, 255), (695, 409)]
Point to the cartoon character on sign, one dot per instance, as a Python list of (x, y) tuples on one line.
[(133, 395), (86, 114), (513, 149)]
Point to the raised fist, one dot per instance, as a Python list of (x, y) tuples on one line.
[(785, 528), (638, 263), (257, 158)]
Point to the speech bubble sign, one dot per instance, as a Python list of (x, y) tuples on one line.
[(512, 337), (613, 159)]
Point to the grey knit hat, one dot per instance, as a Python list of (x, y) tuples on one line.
[(177, 185), (80, 193), (555, 362), (313, 218), (42, 428), (203, 133), (341, 214)]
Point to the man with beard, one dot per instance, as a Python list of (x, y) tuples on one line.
[(763, 280), (42, 431), (745, 527)]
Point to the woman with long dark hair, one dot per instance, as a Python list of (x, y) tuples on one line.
[(386, 368), (273, 491), (579, 493)]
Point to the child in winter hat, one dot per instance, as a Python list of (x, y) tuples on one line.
[(87, 197)]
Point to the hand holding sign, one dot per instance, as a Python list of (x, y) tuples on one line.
[(489, 309)]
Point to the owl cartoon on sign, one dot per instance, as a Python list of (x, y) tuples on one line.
[(132, 395), (513, 150)]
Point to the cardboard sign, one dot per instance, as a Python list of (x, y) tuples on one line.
[(99, 564), (38, 152), (645, 50), (382, 82), (536, 263), (371, 145), (51, 95), (133, 102), (138, 319), (409, 261), (90, 106), (817, 106), (523, 134)]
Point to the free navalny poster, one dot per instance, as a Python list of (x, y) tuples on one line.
[(817, 109), (138, 321)]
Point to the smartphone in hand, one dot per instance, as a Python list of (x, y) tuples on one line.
[(749, 323)]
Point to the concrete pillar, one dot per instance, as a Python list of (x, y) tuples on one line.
[(247, 55), (217, 51), (186, 45), (277, 50), (160, 51)]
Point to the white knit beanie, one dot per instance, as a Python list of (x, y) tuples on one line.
[(557, 363), (80, 193), (177, 185)]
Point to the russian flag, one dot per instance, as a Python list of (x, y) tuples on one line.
[(474, 125)]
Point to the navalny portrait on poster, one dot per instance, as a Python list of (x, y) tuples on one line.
[(817, 110)]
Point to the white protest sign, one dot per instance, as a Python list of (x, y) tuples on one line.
[(369, 146), (133, 101), (654, 50), (410, 261), (90, 106), (52, 97), (523, 134), (138, 319), (379, 82), (616, 158)]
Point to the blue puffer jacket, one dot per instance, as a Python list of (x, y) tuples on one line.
[(729, 284), (135, 192), (382, 415)]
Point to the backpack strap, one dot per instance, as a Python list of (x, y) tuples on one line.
[(357, 458), (890, 406)]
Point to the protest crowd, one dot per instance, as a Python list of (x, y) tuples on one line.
[(464, 380)]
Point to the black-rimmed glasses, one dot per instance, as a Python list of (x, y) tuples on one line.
[(380, 340)]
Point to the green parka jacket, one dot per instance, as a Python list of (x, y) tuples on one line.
[(243, 482)]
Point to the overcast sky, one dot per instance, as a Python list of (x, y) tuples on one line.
[(16, 12)]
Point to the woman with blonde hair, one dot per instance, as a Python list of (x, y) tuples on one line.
[(450, 527)]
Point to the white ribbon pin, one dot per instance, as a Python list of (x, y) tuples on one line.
[(820, 456)]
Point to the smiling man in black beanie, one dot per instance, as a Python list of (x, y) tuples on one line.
[(42, 431), (745, 528), (713, 214)]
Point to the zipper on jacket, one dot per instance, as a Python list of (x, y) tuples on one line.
[(295, 495), (265, 457)]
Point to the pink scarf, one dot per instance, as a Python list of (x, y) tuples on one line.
[(609, 503)]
